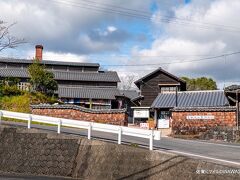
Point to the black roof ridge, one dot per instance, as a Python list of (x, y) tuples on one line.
[(85, 72), (87, 87), (198, 91), (160, 69)]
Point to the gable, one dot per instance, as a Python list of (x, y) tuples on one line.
[(161, 76)]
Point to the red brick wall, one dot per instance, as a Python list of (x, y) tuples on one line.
[(192, 126), (109, 118)]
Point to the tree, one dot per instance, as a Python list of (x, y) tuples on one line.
[(127, 82), (201, 83), (7, 40), (41, 79)]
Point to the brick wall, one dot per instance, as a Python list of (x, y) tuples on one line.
[(116, 117), (182, 125)]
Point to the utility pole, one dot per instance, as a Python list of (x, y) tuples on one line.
[(176, 96), (237, 101)]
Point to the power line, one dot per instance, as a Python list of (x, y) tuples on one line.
[(167, 63), (176, 62), (165, 16), (144, 15)]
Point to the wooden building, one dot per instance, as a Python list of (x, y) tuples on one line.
[(150, 86), (78, 83), (159, 81)]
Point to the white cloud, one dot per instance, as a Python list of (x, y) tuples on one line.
[(59, 56), (59, 24), (198, 29), (111, 28)]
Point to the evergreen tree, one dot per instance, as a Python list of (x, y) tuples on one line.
[(201, 83), (41, 79)]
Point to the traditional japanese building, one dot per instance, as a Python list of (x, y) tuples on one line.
[(150, 86), (159, 81), (164, 98), (78, 83)]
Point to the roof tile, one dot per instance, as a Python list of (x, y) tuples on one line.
[(108, 76), (191, 99)]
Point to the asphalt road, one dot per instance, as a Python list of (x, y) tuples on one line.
[(224, 153)]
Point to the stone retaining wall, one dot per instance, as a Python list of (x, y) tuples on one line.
[(226, 134), (36, 152), (108, 116)]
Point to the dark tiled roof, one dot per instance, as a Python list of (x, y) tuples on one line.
[(87, 92), (191, 99), (47, 62), (5, 72), (131, 94), (205, 109), (75, 107), (109, 76)]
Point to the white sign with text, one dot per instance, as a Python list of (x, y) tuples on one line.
[(200, 117), (141, 113), (163, 123)]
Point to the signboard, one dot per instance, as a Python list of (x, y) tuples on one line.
[(200, 117), (163, 123), (141, 113), (144, 125)]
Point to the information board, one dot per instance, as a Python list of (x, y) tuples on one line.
[(163, 123), (141, 113)]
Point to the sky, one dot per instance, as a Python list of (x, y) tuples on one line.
[(190, 38)]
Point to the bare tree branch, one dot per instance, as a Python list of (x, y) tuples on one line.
[(6, 39), (127, 82)]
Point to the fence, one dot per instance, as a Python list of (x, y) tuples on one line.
[(90, 126)]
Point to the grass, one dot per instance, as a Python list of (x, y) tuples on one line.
[(134, 145), (24, 121), (186, 136), (21, 103)]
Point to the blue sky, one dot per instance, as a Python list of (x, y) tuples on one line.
[(160, 32)]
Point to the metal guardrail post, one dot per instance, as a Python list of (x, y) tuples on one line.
[(119, 135), (1, 114), (59, 126), (89, 130), (151, 140), (29, 121)]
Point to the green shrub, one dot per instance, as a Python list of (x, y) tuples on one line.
[(16, 103), (22, 103), (37, 98), (11, 91)]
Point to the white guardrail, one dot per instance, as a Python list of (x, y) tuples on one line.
[(120, 130)]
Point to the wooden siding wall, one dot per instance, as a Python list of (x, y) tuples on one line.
[(150, 88)]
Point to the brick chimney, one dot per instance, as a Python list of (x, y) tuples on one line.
[(39, 50)]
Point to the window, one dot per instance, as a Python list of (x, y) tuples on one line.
[(24, 86), (164, 115), (168, 89)]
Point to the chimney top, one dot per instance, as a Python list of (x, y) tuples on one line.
[(39, 46), (38, 53)]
